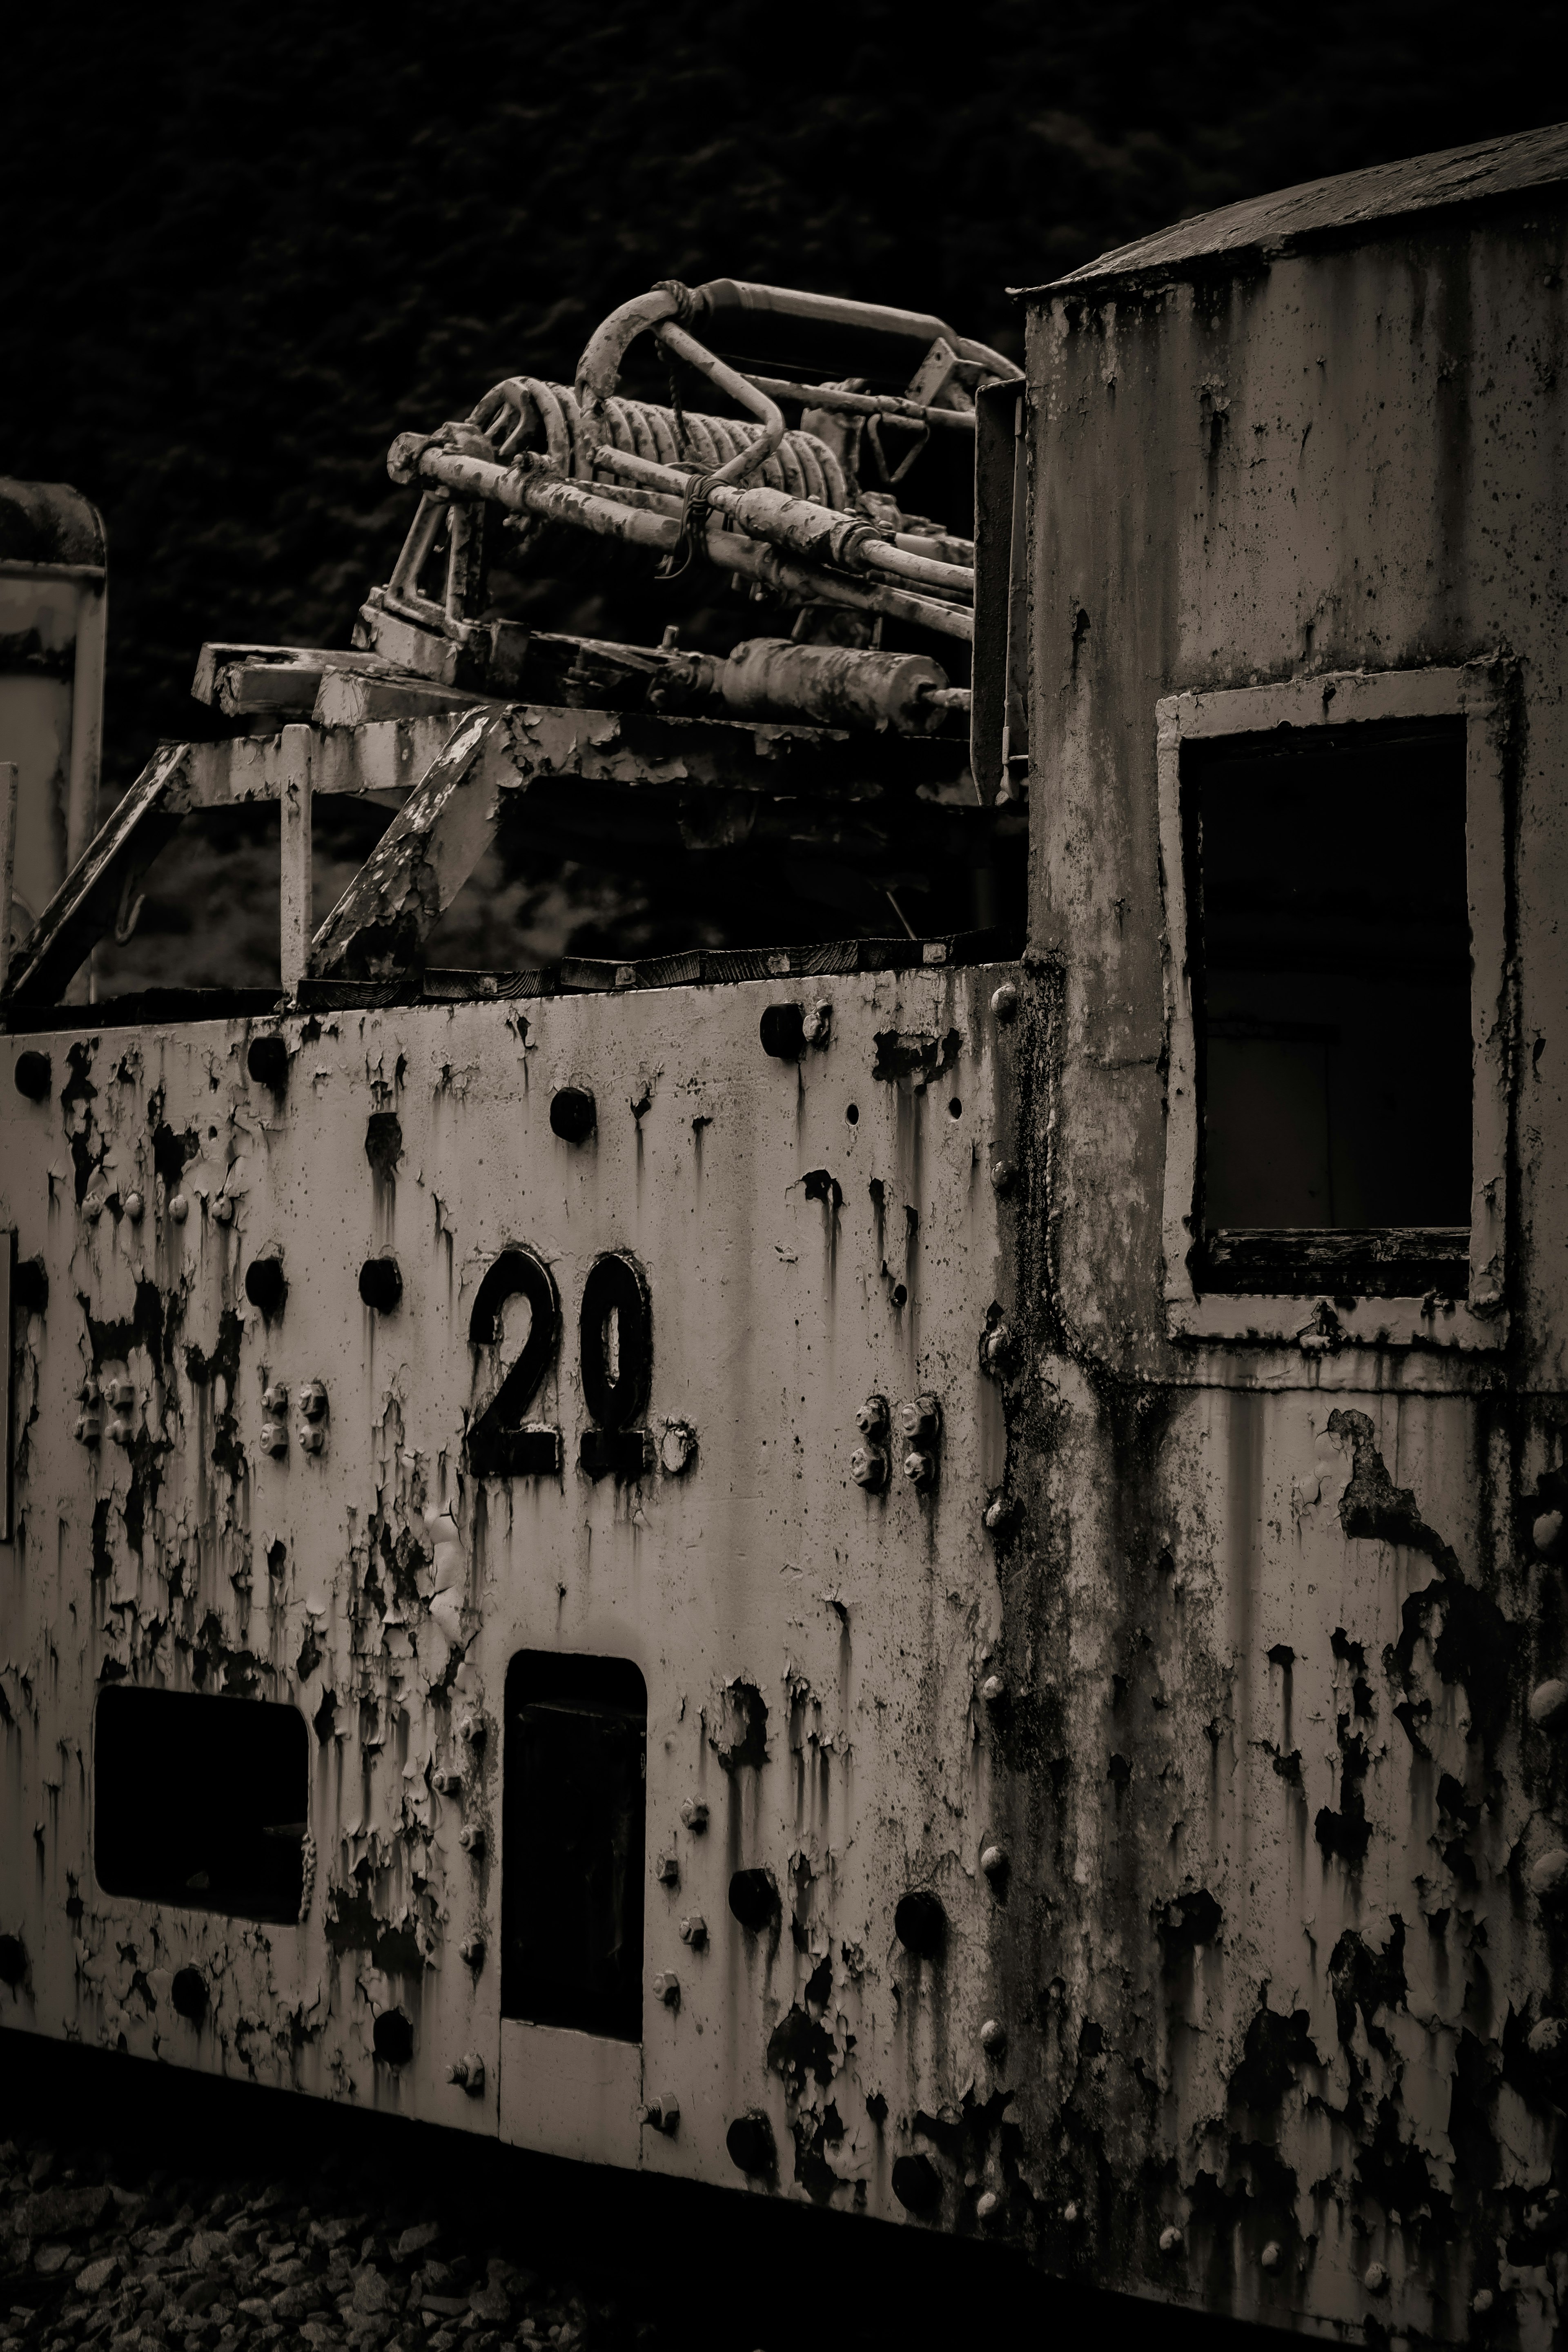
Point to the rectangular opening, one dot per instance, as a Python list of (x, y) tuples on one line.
[(1330, 957), (201, 1801), (574, 1814)]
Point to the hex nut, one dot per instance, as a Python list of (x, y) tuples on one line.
[(666, 1989), (869, 1468), (134, 1207), (920, 1421), (275, 1399), (919, 1469), (274, 1437), (694, 1813), (471, 1950), (312, 1437), (1004, 1002), (871, 1418), (694, 1931), (312, 1400), (1170, 2239), (667, 1870), (120, 1394), (471, 1838)]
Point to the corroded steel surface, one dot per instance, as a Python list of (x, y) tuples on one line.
[(812, 1649)]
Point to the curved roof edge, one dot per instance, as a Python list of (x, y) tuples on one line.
[(44, 523), (1266, 225)]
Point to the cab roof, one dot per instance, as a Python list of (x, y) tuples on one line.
[(1264, 227)]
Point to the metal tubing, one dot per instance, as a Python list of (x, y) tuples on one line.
[(865, 403), (723, 294)]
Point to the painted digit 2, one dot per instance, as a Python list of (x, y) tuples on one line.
[(616, 1372), (500, 1447)]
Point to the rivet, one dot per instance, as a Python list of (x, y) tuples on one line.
[(1549, 1871), (472, 1951), (92, 1207), (572, 1114), (998, 1511), (1004, 1175), (33, 1075), (1272, 2255), (993, 2035), (663, 2114), (1170, 2239), (179, 1208), (993, 1690), (869, 1468), (1547, 1531), (223, 1210), (1376, 2279), (472, 1730), (694, 1813), (694, 1931), (1069, 2213), (1481, 2301), (677, 1449), (985, 2204), (1004, 1002), (668, 1871), (994, 1860), (1548, 1704), (471, 1838), (666, 1989), (134, 1207)]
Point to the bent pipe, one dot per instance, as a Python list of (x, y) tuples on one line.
[(599, 372), (723, 294)]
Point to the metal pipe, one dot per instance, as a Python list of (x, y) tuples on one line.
[(865, 403), (599, 369), (532, 491), (723, 294), (741, 390)]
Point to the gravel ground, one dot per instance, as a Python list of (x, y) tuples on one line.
[(92, 2250)]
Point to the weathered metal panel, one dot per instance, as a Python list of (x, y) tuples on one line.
[(811, 1233), (1283, 1619)]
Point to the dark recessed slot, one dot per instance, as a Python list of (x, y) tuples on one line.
[(1330, 951), (201, 1801), (574, 1825)]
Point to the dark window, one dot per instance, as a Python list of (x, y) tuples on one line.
[(201, 1801), (1329, 953), (574, 1821)]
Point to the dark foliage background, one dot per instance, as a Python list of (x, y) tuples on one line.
[(245, 248)]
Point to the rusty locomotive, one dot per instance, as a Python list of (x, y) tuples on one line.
[(919, 1566)]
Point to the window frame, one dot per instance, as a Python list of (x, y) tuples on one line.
[(1477, 692)]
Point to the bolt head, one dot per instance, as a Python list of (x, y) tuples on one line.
[(1004, 1002), (471, 1838), (1004, 1175), (919, 1419), (994, 1860), (869, 1468), (677, 1449), (1069, 2213), (694, 1931), (134, 1207), (993, 1690), (223, 1210), (312, 1437), (312, 1400), (666, 1989), (446, 1784), (119, 1431), (993, 2035), (88, 1428), (920, 1468), (121, 1395), (694, 1813), (871, 1418), (1376, 2279), (668, 1871), (179, 1208), (275, 1399), (998, 1511), (1272, 2255), (1481, 2301), (1170, 2239), (664, 2113), (275, 1437)]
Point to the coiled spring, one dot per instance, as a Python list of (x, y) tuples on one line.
[(526, 413)]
